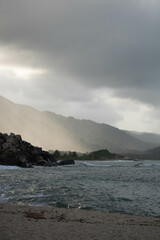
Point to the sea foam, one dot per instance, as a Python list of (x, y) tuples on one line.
[(8, 167)]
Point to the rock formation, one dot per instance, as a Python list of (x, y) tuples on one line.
[(66, 162), (16, 152)]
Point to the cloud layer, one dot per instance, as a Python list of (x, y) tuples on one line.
[(83, 47)]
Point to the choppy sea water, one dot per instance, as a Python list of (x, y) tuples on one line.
[(121, 186)]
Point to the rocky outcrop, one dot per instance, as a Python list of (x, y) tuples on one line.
[(66, 162), (16, 152)]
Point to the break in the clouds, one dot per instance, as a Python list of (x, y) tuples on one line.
[(82, 57)]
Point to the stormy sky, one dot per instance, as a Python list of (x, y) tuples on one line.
[(92, 59)]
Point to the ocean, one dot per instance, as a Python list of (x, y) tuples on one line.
[(128, 187)]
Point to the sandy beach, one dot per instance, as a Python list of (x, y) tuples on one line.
[(26, 222)]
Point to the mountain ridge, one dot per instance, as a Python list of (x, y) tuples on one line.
[(53, 131), (146, 136)]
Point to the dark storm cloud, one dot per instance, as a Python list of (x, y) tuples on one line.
[(101, 43)]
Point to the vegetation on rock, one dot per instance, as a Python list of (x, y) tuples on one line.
[(103, 154)]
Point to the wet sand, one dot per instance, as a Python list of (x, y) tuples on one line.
[(47, 223)]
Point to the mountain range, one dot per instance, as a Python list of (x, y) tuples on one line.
[(52, 131), (147, 137)]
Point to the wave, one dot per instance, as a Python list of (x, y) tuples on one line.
[(96, 165), (8, 167), (115, 165), (146, 164)]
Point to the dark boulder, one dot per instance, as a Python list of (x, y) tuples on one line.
[(66, 162)]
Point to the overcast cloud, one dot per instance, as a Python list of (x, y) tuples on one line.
[(94, 59)]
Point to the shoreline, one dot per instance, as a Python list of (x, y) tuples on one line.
[(34, 222)]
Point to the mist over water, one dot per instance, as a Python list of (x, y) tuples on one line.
[(119, 186)]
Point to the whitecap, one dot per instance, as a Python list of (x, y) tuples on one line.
[(151, 164), (95, 165), (147, 164), (6, 167), (157, 164)]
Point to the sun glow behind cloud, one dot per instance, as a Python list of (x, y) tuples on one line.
[(19, 72)]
